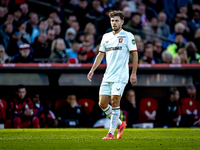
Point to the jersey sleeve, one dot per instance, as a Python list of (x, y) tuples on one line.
[(102, 46), (131, 43)]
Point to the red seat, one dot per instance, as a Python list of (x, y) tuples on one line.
[(190, 106), (59, 103), (148, 109), (87, 104), (3, 105)]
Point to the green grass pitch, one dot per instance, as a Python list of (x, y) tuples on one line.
[(85, 139)]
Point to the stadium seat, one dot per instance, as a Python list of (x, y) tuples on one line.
[(87, 104), (59, 103), (3, 105), (190, 106), (147, 110)]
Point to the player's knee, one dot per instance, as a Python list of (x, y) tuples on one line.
[(115, 101), (36, 120), (17, 121), (103, 105)]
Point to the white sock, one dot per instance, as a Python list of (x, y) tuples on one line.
[(114, 119), (108, 112)]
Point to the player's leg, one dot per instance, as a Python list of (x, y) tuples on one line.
[(117, 91), (17, 122), (36, 122)]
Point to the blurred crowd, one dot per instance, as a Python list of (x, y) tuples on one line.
[(166, 31), (174, 109)]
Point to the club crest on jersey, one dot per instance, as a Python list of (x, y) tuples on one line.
[(133, 41), (120, 40)]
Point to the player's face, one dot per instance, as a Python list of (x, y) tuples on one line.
[(116, 23), (21, 93)]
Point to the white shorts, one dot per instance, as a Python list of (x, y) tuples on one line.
[(112, 88)]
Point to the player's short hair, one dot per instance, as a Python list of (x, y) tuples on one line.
[(20, 86), (117, 13)]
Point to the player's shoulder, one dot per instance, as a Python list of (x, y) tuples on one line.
[(127, 33), (107, 34)]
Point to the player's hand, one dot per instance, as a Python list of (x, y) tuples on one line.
[(196, 122), (89, 76), (133, 78), (28, 112)]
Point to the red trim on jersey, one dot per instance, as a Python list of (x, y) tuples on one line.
[(101, 52), (133, 51), (116, 109)]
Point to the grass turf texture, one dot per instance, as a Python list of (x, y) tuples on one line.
[(84, 139)]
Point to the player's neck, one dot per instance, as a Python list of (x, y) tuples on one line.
[(115, 32)]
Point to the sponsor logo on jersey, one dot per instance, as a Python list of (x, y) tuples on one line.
[(106, 41), (121, 37), (120, 40), (118, 89), (133, 41), (113, 48)]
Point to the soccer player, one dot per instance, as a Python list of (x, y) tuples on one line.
[(116, 45)]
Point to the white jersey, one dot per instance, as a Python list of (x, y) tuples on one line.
[(117, 48)]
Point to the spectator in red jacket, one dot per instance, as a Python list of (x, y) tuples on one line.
[(20, 111)]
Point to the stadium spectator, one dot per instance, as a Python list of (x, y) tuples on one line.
[(24, 55), (194, 23), (90, 29), (38, 109), (166, 57), (91, 39), (85, 54), (15, 41), (20, 111), (140, 48), (127, 14), (55, 17), (16, 15), (70, 37), (132, 4), (179, 43), (197, 39), (183, 55), (75, 26), (51, 35), (152, 29), (81, 11), (141, 9), (22, 29), (176, 60), (57, 29), (168, 111), (105, 4), (50, 22), (96, 11), (2, 15), (4, 58), (70, 114), (25, 11), (73, 52), (135, 23), (165, 28), (157, 51), (183, 9), (193, 56), (5, 34), (43, 25), (129, 104), (40, 47), (156, 5), (148, 55), (58, 53), (32, 26)]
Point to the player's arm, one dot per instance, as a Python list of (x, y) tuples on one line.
[(133, 77), (97, 61)]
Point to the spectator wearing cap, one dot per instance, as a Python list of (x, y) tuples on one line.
[(4, 58), (24, 55), (15, 41), (5, 34), (70, 37), (58, 53)]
